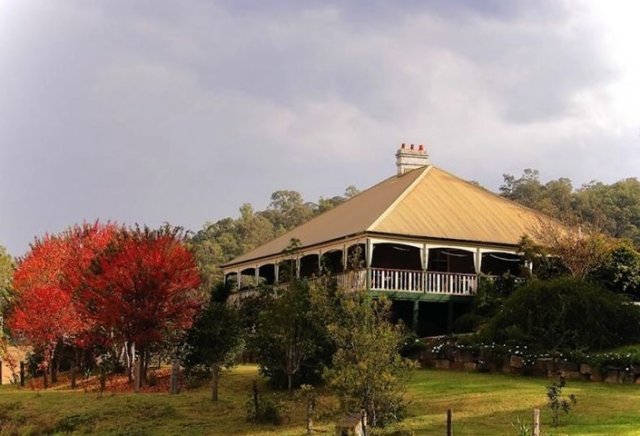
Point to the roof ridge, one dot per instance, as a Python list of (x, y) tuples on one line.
[(321, 216), (400, 197), (501, 198), (322, 213)]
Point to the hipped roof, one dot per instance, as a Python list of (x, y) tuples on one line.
[(427, 202)]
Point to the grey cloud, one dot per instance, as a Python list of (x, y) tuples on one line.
[(155, 111)]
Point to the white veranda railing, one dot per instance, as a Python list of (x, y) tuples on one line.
[(382, 279)]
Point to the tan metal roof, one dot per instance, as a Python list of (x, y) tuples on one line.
[(349, 218), (444, 206), (427, 202)]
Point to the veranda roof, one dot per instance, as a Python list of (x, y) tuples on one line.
[(427, 202)]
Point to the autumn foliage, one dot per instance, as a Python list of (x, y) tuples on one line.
[(107, 288), (46, 315)]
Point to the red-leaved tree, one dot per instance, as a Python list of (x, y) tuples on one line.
[(143, 289), (49, 275), (106, 288), (44, 316)]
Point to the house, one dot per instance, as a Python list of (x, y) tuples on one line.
[(423, 237)]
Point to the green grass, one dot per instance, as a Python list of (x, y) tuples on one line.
[(483, 404)]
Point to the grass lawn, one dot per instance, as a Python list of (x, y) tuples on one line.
[(483, 404)]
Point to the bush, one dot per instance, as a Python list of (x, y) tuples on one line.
[(261, 409), (467, 323), (290, 339), (196, 376), (368, 372), (412, 346), (620, 272), (72, 423), (492, 291), (565, 314)]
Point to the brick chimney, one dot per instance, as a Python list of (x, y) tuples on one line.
[(411, 157)]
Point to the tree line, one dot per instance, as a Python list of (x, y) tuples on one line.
[(613, 209), (220, 241)]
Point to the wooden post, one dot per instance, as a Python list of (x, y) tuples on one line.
[(22, 374), (175, 374), (478, 261), (536, 422), (136, 375), (345, 258), (368, 257), (256, 404), (416, 316), (450, 317), (425, 267), (449, 422)]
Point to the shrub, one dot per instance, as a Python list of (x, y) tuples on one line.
[(412, 346), (558, 402), (72, 423), (565, 313), (467, 323), (368, 372), (290, 339), (261, 409), (620, 272)]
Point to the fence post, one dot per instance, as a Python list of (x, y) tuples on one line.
[(536, 422), (449, 422), (136, 375), (175, 373)]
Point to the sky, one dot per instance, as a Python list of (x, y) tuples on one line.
[(162, 111)]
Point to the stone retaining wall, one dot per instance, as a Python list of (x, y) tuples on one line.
[(466, 360)]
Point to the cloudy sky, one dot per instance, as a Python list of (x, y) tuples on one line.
[(153, 111)]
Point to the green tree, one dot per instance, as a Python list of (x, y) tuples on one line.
[(288, 210), (526, 190), (290, 337), (368, 373), (225, 239), (620, 271), (7, 266), (565, 314), (615, 208), (215, 339)]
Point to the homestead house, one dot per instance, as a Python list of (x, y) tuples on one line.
[(423, 237)]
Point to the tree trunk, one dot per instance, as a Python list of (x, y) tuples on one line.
[(130, 355), (289, 382), (52, 371), (144, 361), (215, 372), (56, 370), (147, 358), (72, 374), (44, 379)]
